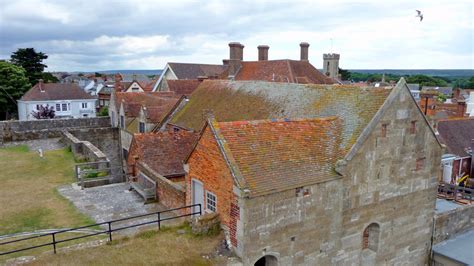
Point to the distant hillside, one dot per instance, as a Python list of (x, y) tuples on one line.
[(134, 71), (448, 73)]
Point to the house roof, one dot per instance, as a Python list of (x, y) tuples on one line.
[(292, 71), (55, 91), (155, 149), (256, 100), (276, 155), (182, 87), (193, 71), (133, 101), (457, 134)]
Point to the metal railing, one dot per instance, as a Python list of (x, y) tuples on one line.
[(456, 193), (108, 225)]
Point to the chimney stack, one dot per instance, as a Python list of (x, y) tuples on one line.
[(40, 85), (263, 52), (236, 55), (304, 51)]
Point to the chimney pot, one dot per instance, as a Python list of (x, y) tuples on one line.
[(263, 52), (304, 51), (236, 55)]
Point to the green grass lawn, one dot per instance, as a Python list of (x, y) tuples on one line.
[(28, 196)]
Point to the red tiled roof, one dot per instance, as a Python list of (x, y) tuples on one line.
[(457, 134), (55, 91), (134, 100), (183, 87), (275, 155), (164, 152), (291, 71)]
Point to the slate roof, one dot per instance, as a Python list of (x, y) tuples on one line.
[(293, 71), (256, 100), (165, 151), (444, 90), (276, 155), (193, 71), (55, 91), (456, 134), (183, 87)]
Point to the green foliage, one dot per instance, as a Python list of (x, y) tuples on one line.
[(356, 77), (464, 83), (97, 75), (17, 148), (13, 84), (104, 111), (427, 81), (80, 75), (49, 78), (441, 98), (31, 61), (345, 74)]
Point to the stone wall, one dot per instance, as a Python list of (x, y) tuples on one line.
[(391, 181), (453, 222), (108, 142), (83, 149), (296, 228), (42, 129)]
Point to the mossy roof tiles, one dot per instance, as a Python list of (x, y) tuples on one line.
[(257, 100)]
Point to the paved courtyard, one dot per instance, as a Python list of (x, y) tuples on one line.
[(112, 202)]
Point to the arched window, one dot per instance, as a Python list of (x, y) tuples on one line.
[(370, 237), (267, 260)]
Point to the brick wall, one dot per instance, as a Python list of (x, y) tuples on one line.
[(170, 194), (207, 165)]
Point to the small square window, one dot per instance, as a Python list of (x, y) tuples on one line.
[(142, 127), (58, 107), (122, 122), (84, 105), (211, 201), (413, 127), (64, 106), (383, 134), (420, 163)]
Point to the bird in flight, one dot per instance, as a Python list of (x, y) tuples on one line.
[(419, 15)]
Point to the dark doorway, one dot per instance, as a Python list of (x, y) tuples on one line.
[(267, 260)]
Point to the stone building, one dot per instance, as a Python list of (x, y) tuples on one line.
[(331, 65), (353, 182)]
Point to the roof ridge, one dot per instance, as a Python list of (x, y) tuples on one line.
[(261, 121)]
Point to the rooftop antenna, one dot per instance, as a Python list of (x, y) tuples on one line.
[(331, 45)]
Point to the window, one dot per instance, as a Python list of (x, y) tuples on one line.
[(37, 107), (142, 127), (383, 134), (122, 121), (64, 107), (85, 115), (58, 107), (211, 201), (125, 154), (413, 127), (84, 105), (370, 237), (420, 163)]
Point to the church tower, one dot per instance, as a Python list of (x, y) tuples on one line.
[(331, 65)]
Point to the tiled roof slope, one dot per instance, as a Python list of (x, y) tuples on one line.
[(165, 151), (273, 155), (193, 71), (183, 87), (134, 100), (282, 71), (55, 91), (252, 100), (457, 134)]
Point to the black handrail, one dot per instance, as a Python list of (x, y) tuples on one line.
[(108, 231)]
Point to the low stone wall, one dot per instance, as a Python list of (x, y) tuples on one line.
[(83, 149), (169, 194), (454, 222), (47, 128)]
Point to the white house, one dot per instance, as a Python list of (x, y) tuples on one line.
[(68, 100)]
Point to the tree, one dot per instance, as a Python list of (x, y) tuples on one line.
[(49, 78), (44, 112), (13, 84), (345, 74), (31, 61), (427, 81)]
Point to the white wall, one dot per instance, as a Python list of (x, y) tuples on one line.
[(74, 108)]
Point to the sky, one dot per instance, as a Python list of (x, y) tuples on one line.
[(81, 35)]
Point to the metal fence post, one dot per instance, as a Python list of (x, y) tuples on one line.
[(159, 221), (110, 232), (54, 242)]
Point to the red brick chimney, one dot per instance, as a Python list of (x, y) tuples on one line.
[(304, 51), (118, 83), (263, 52), (236, 55)]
